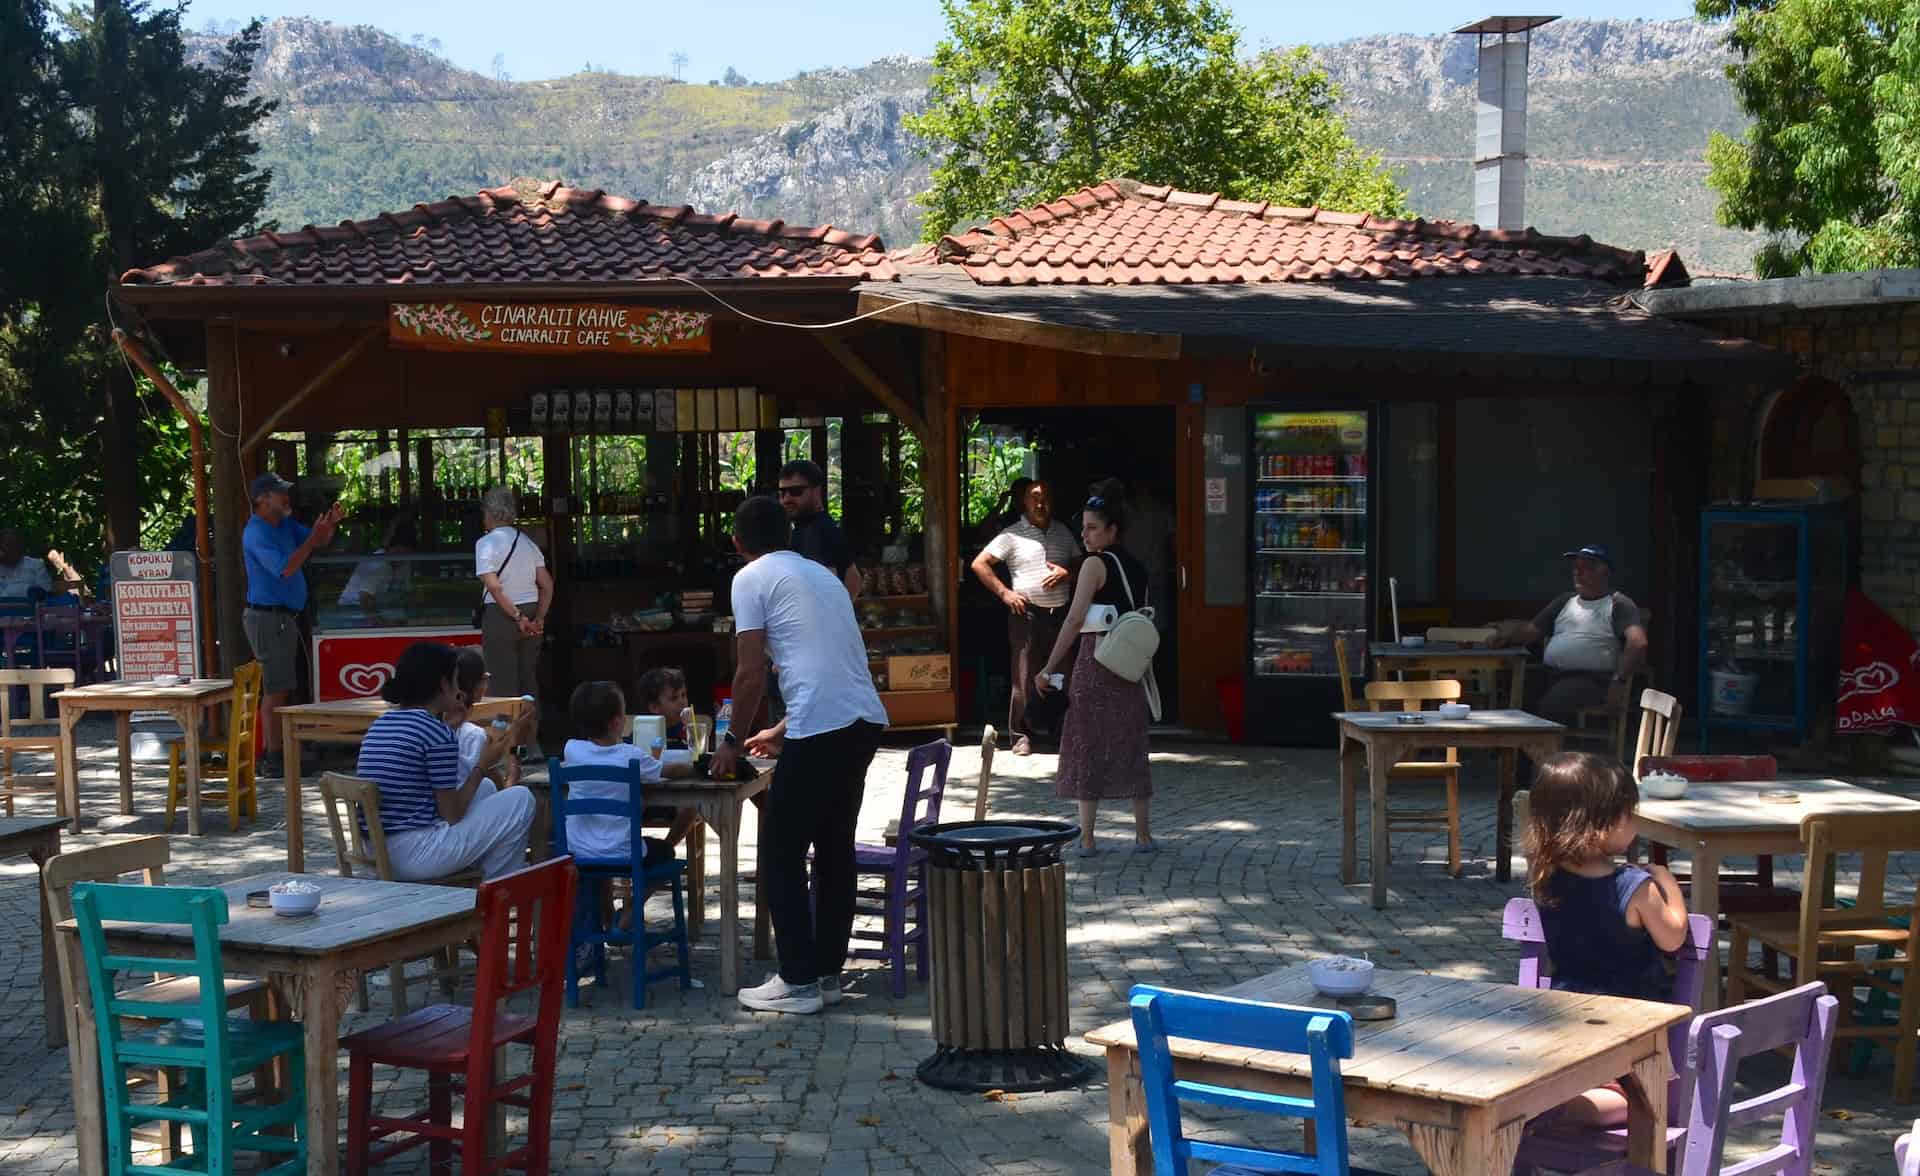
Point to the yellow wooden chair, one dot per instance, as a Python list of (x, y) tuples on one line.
[(1659, 727), (37, 684), (1411, 695), (233, 762), (360, 848), (1830, 943)]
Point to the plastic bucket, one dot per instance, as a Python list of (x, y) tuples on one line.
[(1233, 705), (1733, 692)]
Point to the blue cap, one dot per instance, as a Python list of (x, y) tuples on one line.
[(1592, 551), (269, 483)]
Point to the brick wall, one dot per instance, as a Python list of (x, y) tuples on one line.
[(1874, 353)]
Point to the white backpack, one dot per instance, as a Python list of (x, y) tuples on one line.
[(1128, 647)]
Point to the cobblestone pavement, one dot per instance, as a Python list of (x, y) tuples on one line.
[(1247, 881)]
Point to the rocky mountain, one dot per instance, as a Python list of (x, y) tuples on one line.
[(1619, 118)]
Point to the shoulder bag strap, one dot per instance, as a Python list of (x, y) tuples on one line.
[(511, 548), (1133, 603)]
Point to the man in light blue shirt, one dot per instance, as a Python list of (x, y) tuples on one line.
[(275, 547)]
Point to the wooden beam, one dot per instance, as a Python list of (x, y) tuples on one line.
[(1011, 329), (231, 507), (320, 381), (196, 440), (874, 383)]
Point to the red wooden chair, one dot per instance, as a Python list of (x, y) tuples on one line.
[(523, 948)]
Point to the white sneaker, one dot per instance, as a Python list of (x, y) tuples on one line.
[(778, 996), (830, 992)]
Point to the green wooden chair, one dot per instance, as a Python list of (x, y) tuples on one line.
[(197, 1040)]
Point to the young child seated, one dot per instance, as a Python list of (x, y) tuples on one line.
[(1606, 924), (663, 692), (470, 680), (599, 714)]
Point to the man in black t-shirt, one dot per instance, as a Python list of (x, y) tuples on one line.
[(803, 491)]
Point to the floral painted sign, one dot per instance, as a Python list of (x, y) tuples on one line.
[(551, 328)]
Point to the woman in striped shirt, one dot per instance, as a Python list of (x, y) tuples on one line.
[(437, 821)]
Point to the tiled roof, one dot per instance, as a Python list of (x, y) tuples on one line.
[(1126, 233), (536, 233)]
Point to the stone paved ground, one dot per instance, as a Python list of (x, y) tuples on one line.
[(1247, 881)]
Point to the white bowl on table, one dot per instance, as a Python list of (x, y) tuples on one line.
[(294, 897), (1341, 975), (1413, 642), (1454, 710), (1663, 786)]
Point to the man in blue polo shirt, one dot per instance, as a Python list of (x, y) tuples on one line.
[(275, 547)]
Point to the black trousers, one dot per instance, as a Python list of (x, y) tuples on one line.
[(1030, 641), (818, 783)]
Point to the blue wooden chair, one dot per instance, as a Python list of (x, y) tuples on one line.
[(1324, 1035), (195, 1038), (592, 924)]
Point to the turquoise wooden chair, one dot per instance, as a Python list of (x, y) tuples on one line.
[(196, 1039), (1324, 1035)]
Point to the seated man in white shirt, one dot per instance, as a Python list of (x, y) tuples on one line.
[(22, 577), (1595, 641)]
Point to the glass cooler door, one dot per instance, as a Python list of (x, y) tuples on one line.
[(1753, 617), (1311, 542)]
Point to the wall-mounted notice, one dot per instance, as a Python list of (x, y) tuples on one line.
[(156, 614)]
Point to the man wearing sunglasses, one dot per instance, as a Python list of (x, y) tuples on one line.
[(803, 495), (1036, 549)]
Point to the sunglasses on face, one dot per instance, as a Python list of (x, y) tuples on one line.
[(793, 491)]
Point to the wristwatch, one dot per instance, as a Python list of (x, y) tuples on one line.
[(730, 739)]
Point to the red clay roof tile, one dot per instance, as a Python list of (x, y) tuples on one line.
[(546, 233), (1122, 232)]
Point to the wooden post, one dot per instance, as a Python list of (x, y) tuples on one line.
[(231, 507), (937, 466)]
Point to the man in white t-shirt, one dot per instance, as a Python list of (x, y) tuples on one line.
[(517, 591), (1595, 641), (1036, 549), (791, 611), (21, 575)]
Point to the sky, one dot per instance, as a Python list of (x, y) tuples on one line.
[(767, 40)]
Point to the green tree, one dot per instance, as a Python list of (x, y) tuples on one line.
[(1032, 98), (167, 147), (1830, 164)]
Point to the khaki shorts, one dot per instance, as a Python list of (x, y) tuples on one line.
[(275, 637)]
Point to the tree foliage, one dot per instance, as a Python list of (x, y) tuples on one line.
[(1831, 164), (1032, 98), (118, 151)]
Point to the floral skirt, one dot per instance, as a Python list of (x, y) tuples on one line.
[(1103, 748)]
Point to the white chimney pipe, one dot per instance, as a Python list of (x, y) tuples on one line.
[(1500, 119)]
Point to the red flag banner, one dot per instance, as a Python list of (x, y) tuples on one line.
[(1879, 672)]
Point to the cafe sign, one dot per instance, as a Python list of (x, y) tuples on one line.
[(549, 328)]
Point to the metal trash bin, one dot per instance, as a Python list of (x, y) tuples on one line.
[(997, 918)]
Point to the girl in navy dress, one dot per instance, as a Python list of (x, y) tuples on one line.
[(1607, 925)]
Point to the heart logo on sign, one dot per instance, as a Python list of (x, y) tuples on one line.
[(365, 680), (1868, 679)]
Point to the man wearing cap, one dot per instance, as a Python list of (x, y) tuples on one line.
[(1595, 641), (275, 547)]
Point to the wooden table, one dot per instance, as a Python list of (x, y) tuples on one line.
[(311, 965), (1718, 819), (1460, 1070), (1382, 741), (94, 624), (721, 805), (1391, 657), (340, 722), (39, 839), (187, 704)]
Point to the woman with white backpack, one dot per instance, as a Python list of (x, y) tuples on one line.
[(1103, 749)]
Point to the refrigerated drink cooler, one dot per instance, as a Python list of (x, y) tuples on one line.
[(1312, 564)]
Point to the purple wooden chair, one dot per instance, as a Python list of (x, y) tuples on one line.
[(1905, 1154), (1569, 1151), (899, 868), (1803, 1018)]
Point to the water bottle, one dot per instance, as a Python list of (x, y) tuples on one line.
[(722, 721)]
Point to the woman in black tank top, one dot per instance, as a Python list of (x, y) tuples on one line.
[(1103, 747)]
